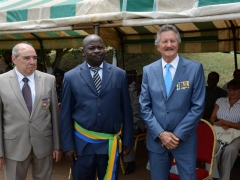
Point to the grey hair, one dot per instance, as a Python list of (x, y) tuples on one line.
[(15, 48), (165, 28)]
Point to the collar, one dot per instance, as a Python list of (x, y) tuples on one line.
[(174, 63), (238, 102), (101, 66), (20, 76)]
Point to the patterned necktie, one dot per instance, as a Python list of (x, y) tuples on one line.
[(168, 78), (27, 95), (96, 78)]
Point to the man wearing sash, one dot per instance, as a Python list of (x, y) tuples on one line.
[(95, 108)]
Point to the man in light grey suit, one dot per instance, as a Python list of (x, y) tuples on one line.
[(172, 109), (29, 130)]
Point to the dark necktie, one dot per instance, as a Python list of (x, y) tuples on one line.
[(27, 95), (96, 78), (168, 78)]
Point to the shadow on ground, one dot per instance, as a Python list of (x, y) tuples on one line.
[(61, 169)]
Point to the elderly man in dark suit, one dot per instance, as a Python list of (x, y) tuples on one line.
[(29, 118), (95, 105), (172, 102)]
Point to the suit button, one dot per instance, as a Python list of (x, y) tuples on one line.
[(30, 121), (99, 99), (167, 112), (99, 114)]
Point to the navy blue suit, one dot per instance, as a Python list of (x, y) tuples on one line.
[(104, 112), (179, 113)]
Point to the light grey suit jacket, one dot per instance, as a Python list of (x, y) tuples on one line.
[(22, 131)]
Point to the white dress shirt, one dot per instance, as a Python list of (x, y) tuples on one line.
[(173, 68), (31, 83)]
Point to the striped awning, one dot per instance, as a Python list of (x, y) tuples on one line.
[(129, 25)]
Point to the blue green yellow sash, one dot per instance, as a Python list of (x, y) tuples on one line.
[(95, 138)]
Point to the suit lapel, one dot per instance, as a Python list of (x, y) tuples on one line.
[(160, 79), (178, 74), (106, 74), (86, 75), (17, 91), (38, 89)]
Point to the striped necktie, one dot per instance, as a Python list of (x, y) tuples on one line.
[(168, 78), (96, 78), (27, 95)]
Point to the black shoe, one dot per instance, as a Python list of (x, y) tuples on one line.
[(130, 167)]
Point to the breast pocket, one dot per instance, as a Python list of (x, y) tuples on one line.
[(9, 136)]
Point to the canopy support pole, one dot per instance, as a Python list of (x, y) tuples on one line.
[(96, 28), (43, 55), (122, 46), (123, 52), (233, 28)]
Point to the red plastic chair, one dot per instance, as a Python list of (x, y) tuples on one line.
[(206, 150)]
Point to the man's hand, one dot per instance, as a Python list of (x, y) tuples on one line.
[(57, 155), (126, 150), (71, 155), (1, 163), (169, 140)]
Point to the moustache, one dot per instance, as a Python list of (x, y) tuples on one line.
[(169, 49)]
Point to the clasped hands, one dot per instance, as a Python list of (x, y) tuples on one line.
[(169, 140), (221, 123)]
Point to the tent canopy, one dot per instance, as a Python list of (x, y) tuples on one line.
[(127, 25)]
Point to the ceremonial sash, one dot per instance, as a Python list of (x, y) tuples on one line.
[(96, 138)]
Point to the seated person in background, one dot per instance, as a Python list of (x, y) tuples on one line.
[(213, 92), (236, 75), (41, 67), (227, 111), (59, 74), (139, 125), (7, 57), (131, 75)]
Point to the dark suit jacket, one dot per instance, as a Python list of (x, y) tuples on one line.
[(180, 113), (104, 112)]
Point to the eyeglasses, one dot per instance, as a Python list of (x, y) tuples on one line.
[(28, 58)]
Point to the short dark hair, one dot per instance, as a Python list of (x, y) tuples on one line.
[(233, 84), (215, 73), (237, 70)]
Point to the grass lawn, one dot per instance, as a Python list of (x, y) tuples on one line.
[(223, 63)]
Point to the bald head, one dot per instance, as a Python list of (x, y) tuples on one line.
[(93, 50), (25, 58), (91, 37)]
